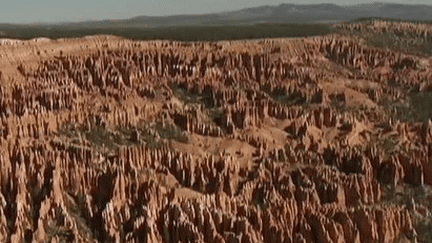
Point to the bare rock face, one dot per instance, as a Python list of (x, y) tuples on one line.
[(219, 142)]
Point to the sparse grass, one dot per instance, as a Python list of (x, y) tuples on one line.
[(216, 116), (421, 104), (279, 96), (416, 108), (184, 95), (153, 135), (213, 113), (97, 136), (170, 131), (295, 98), (156, 134), (69, 130), (102, 137)]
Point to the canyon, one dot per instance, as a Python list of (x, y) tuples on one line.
[(317, 139)]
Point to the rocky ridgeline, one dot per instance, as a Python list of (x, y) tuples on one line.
[(322, 178)]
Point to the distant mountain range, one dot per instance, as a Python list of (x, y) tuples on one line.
[(283, 13)]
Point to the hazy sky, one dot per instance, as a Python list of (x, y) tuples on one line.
[(31, 11)]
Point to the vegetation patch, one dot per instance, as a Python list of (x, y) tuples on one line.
[(398, 41), (177, 33), (153, 135)]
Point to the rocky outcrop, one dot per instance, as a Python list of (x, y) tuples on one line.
[(266, 141)]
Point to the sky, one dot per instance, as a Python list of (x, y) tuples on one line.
[(49, 11)]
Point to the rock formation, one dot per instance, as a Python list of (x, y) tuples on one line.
[(216, 142)]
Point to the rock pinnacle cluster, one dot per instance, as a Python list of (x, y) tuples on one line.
[(318, 139)]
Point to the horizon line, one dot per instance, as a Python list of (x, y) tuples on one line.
[(203, 14)]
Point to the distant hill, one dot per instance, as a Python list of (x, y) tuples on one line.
[(283, 13)]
